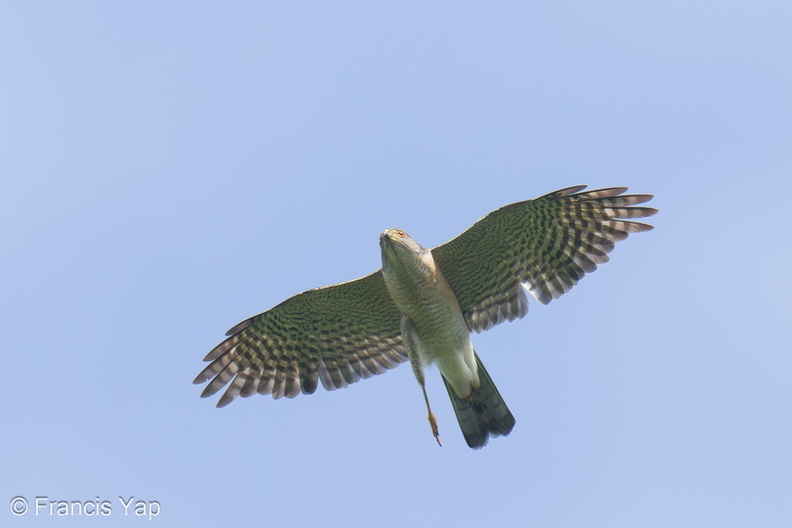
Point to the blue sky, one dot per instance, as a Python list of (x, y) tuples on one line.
[(168, 169)]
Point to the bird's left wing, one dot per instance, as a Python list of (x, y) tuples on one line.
[(544, 245), (337, 335)]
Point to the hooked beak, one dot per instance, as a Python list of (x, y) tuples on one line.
[(387, 236)]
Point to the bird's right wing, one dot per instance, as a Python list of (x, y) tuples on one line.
[(337, 335), (544, 245)]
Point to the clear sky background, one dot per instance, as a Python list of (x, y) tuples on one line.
[(168, 169)]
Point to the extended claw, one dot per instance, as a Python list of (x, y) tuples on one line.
[(435, 430)]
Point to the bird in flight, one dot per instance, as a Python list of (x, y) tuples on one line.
[(423, 304)]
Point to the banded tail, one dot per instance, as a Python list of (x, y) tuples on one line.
[(483, 413)]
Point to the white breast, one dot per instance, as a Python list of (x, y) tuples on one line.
[(421, 292)]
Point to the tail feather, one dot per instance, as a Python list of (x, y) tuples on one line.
[(483, 413)]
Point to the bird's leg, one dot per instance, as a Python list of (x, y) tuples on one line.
[(432, 417), (413, 344), (419, 375)]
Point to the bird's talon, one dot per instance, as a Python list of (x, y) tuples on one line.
[(435, 430)]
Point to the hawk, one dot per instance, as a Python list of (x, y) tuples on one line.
[(423, 304)]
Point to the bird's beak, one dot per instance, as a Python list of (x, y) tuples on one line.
[(384, 238), (389, 239)]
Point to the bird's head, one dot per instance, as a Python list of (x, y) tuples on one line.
[(403, 256), (397, 238), (397, 243)]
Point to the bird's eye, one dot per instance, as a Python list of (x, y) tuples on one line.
[(402, 233)]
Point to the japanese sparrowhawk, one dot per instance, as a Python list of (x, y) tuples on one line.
[(423, 304)]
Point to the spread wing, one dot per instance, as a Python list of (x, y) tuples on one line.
[(544, 246), (337, 335)]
